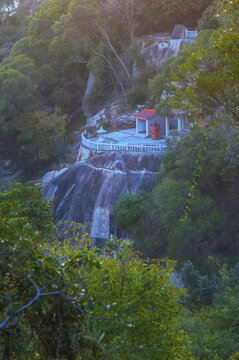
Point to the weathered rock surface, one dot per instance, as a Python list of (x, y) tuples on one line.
[(99, 182), (89, 89), (50, 176), (155, 50)]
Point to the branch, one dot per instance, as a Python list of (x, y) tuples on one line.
[(228, 107), (139, 296), (128, 10), (112, 48), (84, 313), (106, 59), (111, 66), (45, 286), (75, 61), (220, 102), (38, 295)]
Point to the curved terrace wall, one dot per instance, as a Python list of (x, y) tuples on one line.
[(101, 146)]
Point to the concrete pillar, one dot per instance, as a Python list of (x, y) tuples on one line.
[(179, 124), (147, 128), (167, 127), (137, 126)]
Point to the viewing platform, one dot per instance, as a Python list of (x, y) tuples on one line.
[(124, 140), (149, 135)]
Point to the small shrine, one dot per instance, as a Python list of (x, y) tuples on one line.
[(143, 122), (151, 124)]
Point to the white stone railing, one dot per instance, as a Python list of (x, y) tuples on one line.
[(99, 146)]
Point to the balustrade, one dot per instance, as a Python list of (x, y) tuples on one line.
[(96, 145)]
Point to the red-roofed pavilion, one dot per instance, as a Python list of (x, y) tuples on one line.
[(143, 122)]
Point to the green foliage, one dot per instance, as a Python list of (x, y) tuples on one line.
[(213, 329), (22, 63), (200, 290), (157, 86), (137, 96), (163, 81), (160, 225), (127, 211), (55, 45), (165, 14), (24, 213), (217, 169), (210, 74), (26, 133), (25, 224), (67, 300), (209, 19), (14, 105), (41, 135), (197, 232)]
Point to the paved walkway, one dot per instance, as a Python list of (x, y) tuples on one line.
[(128, 136)]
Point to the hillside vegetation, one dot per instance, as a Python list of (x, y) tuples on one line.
[(47, 51), (192, 211), (191, 215), (60, 298)]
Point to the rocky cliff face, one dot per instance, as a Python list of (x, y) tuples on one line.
[(98, 183), (156, 49)]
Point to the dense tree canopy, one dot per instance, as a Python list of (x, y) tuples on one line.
[(209, 77), (165, 14), (159, 225), (210, 312), (59, 296), (71, 302), (54, 45), (18, 96)]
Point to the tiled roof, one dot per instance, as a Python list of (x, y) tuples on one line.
[(145, 114)]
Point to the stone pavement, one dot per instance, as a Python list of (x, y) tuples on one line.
[(128, 136)]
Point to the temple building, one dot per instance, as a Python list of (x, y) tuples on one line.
[(151, 124)]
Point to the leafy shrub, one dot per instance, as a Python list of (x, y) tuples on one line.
[(137, 96), (62, 298)]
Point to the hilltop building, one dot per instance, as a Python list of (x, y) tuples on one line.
[(144, 122), (151, 124)]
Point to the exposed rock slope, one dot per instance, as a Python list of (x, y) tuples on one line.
[(99, 182)]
